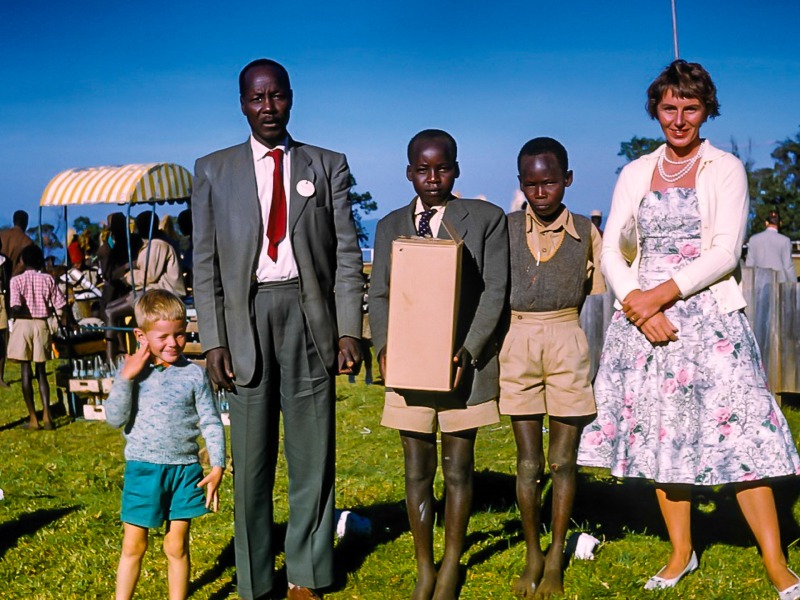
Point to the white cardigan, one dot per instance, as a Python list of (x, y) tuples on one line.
[(724, 206)]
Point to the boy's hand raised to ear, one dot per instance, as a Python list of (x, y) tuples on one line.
[(136, 361)]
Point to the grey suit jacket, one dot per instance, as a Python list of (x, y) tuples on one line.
[(772, 250), (484, 286), (228, 234)]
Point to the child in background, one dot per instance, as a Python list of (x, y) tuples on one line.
[(164, 402), (544, 361), (34, 297)]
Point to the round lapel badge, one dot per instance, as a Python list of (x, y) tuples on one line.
[(305, 188)]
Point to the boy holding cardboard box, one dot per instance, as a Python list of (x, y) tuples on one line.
[(481, 286), (544, 362)]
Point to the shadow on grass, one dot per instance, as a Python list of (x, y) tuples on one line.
[(226, 559), (389, 521), (29, 524), (615, 508)]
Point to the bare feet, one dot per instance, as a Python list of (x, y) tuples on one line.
[(31, 425), (552, 582), (426, 582), (48, 425), (447, 581), (525, 585), (3, 384)]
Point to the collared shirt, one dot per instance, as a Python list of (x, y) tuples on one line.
[(436, 219), (286, 265), (38, 292), (544, 240)]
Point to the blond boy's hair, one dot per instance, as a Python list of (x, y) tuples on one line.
[(158, 305)]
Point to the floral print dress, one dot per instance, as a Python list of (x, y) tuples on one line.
[(695, 411)]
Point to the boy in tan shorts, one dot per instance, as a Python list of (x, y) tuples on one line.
[(544, 361), (432, 170)]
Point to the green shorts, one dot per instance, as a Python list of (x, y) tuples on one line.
[(155, 493)]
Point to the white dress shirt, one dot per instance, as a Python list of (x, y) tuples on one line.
[(436, 219), (286, 265)]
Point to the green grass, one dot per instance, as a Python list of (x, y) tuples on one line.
[(60, 534)]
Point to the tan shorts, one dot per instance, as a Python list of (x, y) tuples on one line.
[(29, 341), (3, 312), (423, 411), (544, 366)]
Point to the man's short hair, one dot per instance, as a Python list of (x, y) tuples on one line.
[(158, 305), (427, 135), (545, 145), (262, 62), (20, 219), (773, 218), (33, 257)]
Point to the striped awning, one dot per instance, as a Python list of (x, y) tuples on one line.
[(153, 182)]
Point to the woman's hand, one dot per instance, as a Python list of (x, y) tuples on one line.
[(659, 330), (640, 306)]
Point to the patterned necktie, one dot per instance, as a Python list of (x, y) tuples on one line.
[(276, 223), (424, 228)]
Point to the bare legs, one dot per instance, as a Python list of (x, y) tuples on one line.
[(26, 374), (758, 506), (3, 350), (543, 575), (420, 452), (176, 548)]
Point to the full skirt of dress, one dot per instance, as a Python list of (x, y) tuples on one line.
[(695, 411)]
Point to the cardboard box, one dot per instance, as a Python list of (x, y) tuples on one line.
[(423, 308), (91, 386), (94, 412)]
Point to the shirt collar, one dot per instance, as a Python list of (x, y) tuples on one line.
[(564, 221), (419, 208), (260, 150)]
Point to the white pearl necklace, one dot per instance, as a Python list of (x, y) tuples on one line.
[(688, 165)]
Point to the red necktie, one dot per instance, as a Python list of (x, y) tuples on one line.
[(276, 224)]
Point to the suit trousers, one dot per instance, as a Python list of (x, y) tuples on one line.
[(291, 380)]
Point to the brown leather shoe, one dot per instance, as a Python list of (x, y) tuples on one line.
[(302, 593)]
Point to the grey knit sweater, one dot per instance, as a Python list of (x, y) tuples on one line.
[(163, 412)]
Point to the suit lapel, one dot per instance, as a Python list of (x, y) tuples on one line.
[(407, 227), (243, 184), (456, 216), (301, 171)]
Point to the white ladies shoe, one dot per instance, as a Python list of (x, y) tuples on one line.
[(792, 592), (659, 583)]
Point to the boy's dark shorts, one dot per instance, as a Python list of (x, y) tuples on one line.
[(155, 493)]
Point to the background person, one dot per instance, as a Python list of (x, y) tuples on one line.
[(34, 297), (13, 241), (772, 250), (681, 394)]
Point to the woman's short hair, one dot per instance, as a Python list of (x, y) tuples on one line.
[(685, 80)]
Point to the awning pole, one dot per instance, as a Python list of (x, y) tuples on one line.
[(149, 245), (130, 255)]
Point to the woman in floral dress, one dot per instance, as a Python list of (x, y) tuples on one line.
[(681, 394)]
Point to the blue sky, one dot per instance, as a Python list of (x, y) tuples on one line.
[(98, 83)]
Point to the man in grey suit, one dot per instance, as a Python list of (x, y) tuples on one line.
[(772, 250), (277, 284)]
